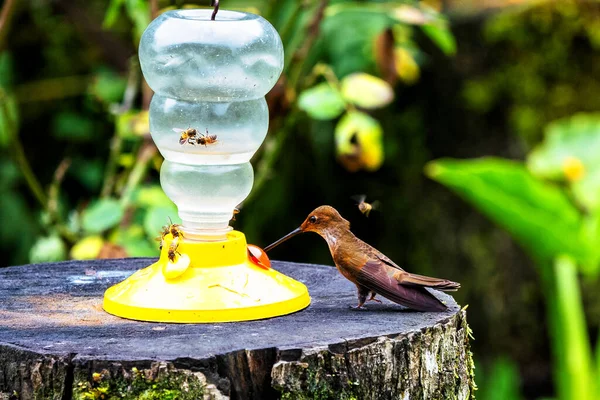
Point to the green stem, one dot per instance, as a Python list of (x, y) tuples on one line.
[(573, 365), (131, 90), (6, 17), (19, 154), (111, 166), (272, 148), (138, 172), (285, 30), (32, 182), (300, 56)]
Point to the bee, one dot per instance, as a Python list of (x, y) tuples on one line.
[(193, 137), (173, 229), (188, 135), (171, 254), (236, 211), (363, 206), (173, 250), (206, 139)]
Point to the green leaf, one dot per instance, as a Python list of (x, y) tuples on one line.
[(575, 371), (441, 35), (348, 51), (322, 102), (6, 69), (48, 249), (112, 13), (107, 86), (87, 248), (587, 190), (158, 216), (410, 15), (359, 142), (72, 126), (569, 153), (89, 172), (502, 382), (133, 124), (9, 118), (152, 195), (537, 214), (366, 91), (135, 242), (139, 13), (574, 137), (102, 215)]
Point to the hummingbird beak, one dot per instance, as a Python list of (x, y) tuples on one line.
[(283, 239)]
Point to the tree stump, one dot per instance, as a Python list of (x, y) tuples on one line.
[(57, 343)]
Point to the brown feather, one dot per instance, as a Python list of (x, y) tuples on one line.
[(406, 278), (375, 276)]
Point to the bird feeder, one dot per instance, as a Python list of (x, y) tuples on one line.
[(208, 117)]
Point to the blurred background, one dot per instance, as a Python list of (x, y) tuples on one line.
[(472, 123)]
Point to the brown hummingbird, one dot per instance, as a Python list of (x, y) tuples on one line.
[(370, 270)]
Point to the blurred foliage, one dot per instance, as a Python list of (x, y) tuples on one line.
[(536, 67), (501, 382), (367, 97), (103, 199), (541, 205)]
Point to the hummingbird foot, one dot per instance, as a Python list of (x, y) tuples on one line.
[(359, 307), (372, 298)]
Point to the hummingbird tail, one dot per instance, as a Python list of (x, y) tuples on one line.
[(407, 278)]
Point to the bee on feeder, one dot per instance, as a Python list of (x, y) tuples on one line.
[(173, 229), (193, 137), (187, 135), (206, 139), (173, 250)]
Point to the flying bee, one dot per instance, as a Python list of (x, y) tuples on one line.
[(363, 206)]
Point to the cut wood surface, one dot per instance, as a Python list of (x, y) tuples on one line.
[(56, 342)]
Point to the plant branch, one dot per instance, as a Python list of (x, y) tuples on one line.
[(138, 172), (272, 149), (19, 153), (116, 142), (299, 57), (6, 17), (53, 193), (25, 167), (54, 189)]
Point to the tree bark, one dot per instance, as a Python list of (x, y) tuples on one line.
[(57, 343)]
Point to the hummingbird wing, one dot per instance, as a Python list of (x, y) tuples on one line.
[(406, 278), (380, 278)]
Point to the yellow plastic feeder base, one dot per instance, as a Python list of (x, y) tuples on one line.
[(217, 283)]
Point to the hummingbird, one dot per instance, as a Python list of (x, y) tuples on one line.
[(370, 270)]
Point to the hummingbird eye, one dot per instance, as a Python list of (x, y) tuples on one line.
[(312, 219)]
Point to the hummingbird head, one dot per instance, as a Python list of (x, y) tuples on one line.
[(324, 220)]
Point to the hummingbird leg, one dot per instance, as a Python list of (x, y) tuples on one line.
[(372, 298), (363, 292)]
